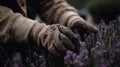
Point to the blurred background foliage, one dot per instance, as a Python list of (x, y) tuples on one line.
[(107, 10), (95, 10)]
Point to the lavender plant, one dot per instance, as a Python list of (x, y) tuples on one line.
[(101, 49)]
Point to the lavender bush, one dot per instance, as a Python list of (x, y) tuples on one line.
[(101, 49)]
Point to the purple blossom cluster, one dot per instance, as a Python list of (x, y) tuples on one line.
[(101, 49)]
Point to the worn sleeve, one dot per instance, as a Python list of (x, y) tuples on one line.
[(14, 26), (56, 11)]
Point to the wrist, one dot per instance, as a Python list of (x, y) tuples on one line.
[(69, 18)]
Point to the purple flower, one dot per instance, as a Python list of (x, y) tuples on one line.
[(98, 44), (100, 49), (82, 44)]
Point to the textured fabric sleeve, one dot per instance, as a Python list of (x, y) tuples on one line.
[(14, 26), (56, 11)]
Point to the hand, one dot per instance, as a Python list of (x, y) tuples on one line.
[(82, 27), (56, 38)]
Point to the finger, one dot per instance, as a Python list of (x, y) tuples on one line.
[(67, 32), (60, 47), (53, 51), (86, 25), (67, 42)]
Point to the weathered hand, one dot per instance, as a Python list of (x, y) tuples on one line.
[(84, 25), (83, 28), (56, 38), (78, 24)]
